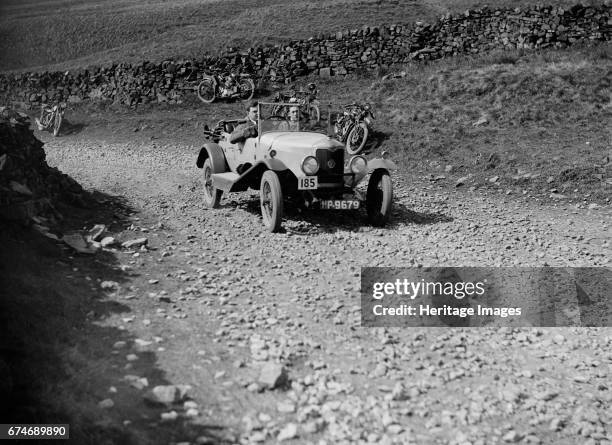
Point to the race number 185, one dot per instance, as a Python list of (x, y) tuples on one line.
[(34, 431), (307, 183)]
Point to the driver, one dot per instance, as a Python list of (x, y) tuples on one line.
[(249, 129)]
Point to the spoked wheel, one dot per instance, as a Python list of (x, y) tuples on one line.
[(212, 195), (57, 123), (357, 139), (247, 89), (45, 120), (206, 90), (379, 198), (271, 196)]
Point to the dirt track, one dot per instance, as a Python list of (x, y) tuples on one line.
[(222, 295)]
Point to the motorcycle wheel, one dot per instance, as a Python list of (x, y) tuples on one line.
[(57, 123), (46, 120), (357, 139), (206, 90), (246, 88)]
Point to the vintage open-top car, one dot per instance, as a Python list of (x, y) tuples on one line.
[(292, 161)]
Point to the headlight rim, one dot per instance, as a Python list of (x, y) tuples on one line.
[(307, 173), (352, 163)]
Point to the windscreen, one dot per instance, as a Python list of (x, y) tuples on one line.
[(290, 117)]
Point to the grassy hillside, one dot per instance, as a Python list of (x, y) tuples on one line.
[(545, 120), (71, 33)]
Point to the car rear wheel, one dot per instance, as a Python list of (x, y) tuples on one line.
[(212, 195), (379, 198), (271, 196)]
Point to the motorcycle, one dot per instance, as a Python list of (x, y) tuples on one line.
[(51, 117), (353, 127), (226, 86), (308, 99)]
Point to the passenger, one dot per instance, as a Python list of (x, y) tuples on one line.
[(293, 124)]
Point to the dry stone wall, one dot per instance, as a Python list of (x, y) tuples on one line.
[(338, 54)]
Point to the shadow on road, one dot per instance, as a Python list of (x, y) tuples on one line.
[(327, 221), (59, 350), (402, 215), (68, 128)]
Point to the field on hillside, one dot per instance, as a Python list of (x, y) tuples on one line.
[(535, 121), (60, 34)]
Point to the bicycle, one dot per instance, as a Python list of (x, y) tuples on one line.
[(51, 117)]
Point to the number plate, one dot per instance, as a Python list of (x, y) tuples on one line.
[(340, 204), (308, 183)]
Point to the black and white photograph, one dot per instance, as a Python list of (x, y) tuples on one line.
[(306, 222)]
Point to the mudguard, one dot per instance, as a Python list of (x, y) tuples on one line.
[(215, 153), (386, 164), (241, 183)]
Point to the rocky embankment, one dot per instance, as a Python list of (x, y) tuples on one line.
[(29, 188)]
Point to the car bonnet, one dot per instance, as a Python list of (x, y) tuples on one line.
[(298, 141)]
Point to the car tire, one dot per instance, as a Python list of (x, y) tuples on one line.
[(356, 140), (212, 195), (379, 198), (271, 198)]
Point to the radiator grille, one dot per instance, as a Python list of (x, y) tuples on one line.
[(333, 174)]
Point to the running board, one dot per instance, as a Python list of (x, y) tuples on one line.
[(225, 181), (231, 182)]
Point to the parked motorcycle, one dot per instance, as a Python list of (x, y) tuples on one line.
[(311, 109), (353, 127), (51, 117), (226, 86)]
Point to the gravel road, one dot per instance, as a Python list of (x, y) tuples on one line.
[(219, 297)]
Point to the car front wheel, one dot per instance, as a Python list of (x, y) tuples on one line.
[(379, 198), (271, 196), (212, 195)]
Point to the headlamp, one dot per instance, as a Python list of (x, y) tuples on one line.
[(310, 165), (358, 164)]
